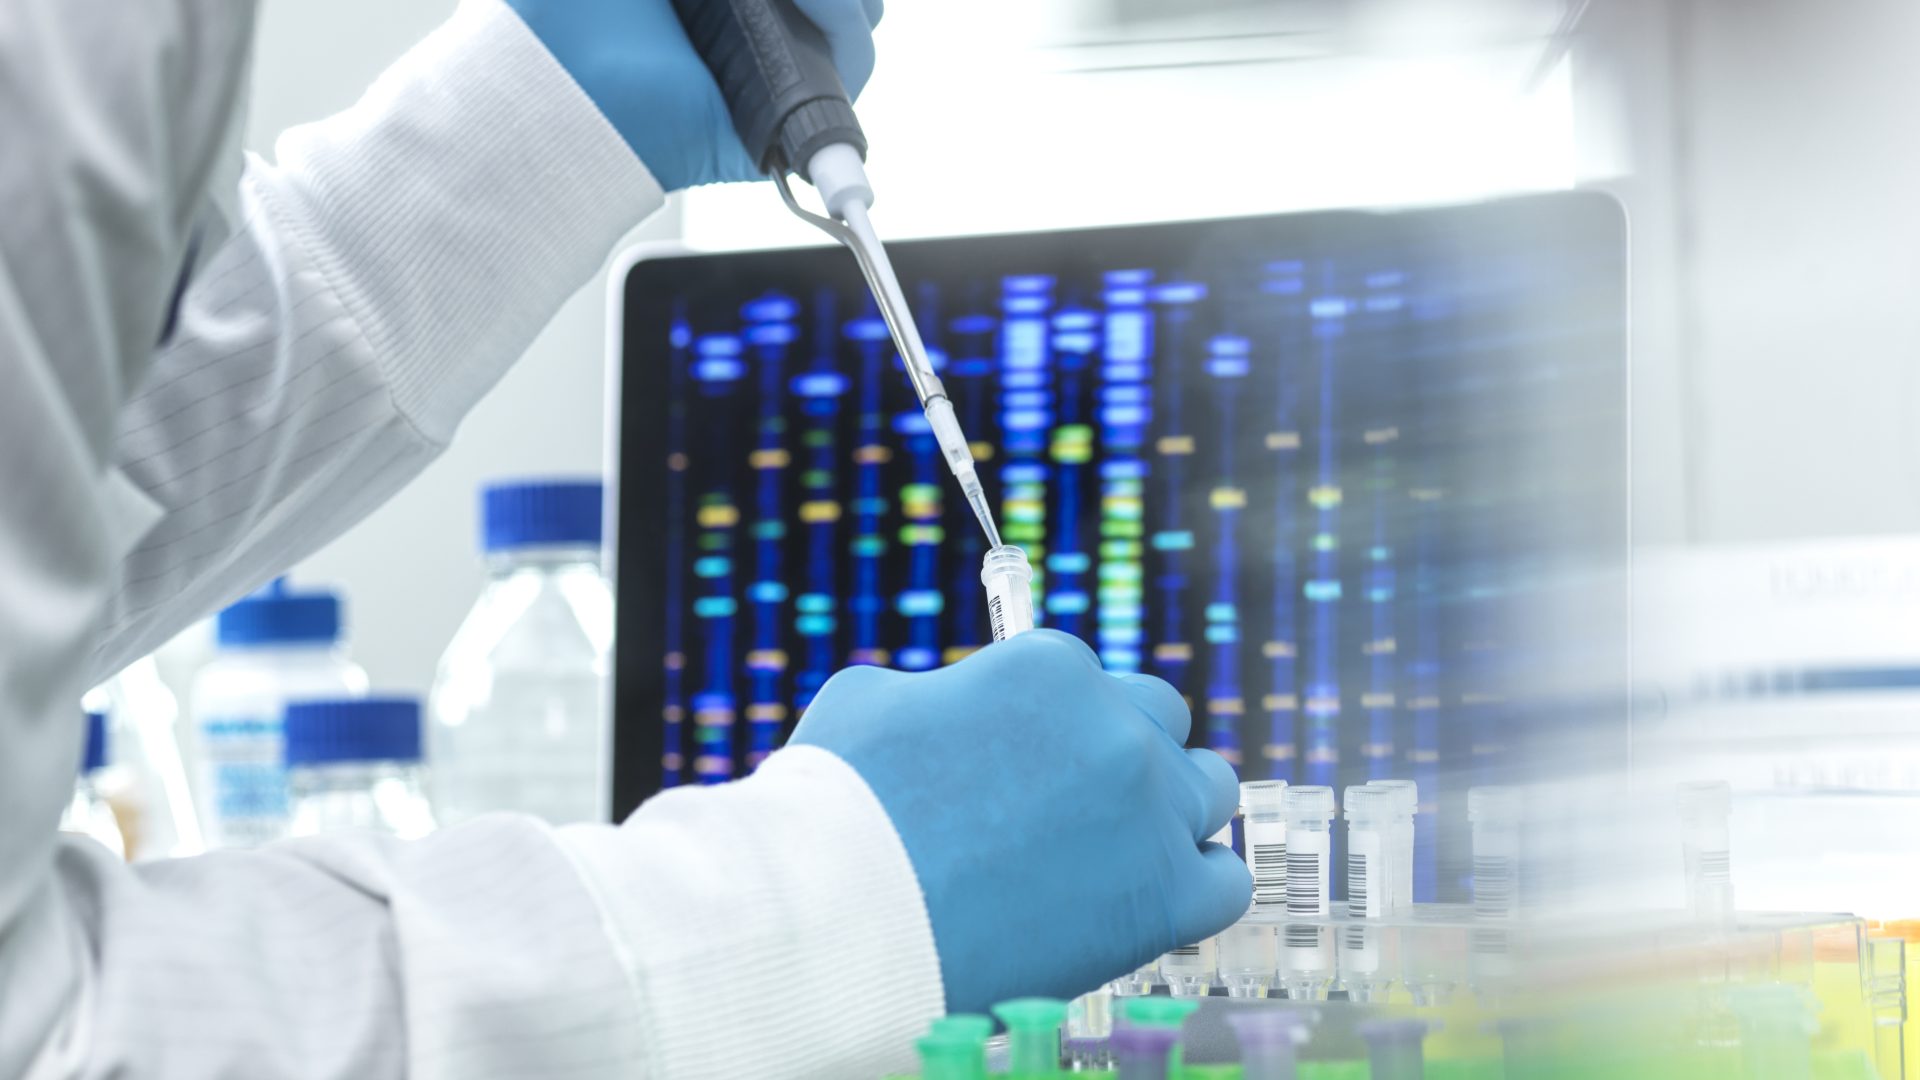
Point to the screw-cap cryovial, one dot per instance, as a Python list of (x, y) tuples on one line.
[(1269, 1040), (1308, 802), (1264, 827), (1143, 1053), (1033, 1034), (1406, 797), (1008, 579)]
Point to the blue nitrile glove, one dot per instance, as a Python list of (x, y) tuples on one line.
[(633, 59), (1056, 825)]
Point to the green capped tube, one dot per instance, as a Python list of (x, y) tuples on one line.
[(1033, 1035)]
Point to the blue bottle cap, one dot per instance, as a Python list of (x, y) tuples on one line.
[(95, 755), (528, 513), (335, 730), (278, 616)]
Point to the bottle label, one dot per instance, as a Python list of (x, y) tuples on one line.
[(244, 778)]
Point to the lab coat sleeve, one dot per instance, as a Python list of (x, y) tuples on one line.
[(381, 275)]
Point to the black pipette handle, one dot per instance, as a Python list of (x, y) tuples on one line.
[(777, 76)]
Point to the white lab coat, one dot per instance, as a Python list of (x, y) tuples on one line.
[(338, 312)]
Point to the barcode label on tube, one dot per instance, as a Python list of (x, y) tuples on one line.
[(1492, 886), (1185, 950), (1269, 866), (1303, 883), (997, 616), (1366, 894), (1716, 866)]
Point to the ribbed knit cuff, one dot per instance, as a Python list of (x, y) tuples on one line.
[(458, 204), (773, 927)]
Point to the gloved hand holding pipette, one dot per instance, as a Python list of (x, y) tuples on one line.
[(1055, 823)]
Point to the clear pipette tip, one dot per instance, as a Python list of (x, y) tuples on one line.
[(977, 498)]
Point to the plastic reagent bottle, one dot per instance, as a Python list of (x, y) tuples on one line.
[(1264, 821), (275, 646), (519, 707), (89, 813), (1406, 803), (354, 763)]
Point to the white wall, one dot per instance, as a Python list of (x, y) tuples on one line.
[(412, 569)]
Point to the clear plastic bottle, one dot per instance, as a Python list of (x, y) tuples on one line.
[(274, 646), (354, 763), (88, 813), (144, 780), (518, 716)]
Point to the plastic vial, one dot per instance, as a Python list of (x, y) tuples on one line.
[(1394, 1050), (949, 1057), (519, 707), (89, 814), (1190, 969), (1705, 849), (1406, 803), (1140, 982), (354, 763), (1033, 1035), (1249, 959), (1009, 582), (1264, 824), (1371, 847), (275, 646), (1269, 1041), (1144, 1053), (1307, 963), (1167, 1013), (1494, 814), (1089, 1025)]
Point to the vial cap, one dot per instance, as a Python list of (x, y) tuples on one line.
[(276, 615), (1266, 1028), (95, 755), (1005, 559), (1406, 794), (1159, 1011), (338, 730), (1363, 802), (1133, 1044), (1393, 1031), (1705, 801), (1310, 799), (968, 1027), (537, 513), (1493, 804), (1263, 797), (1031, 1014)]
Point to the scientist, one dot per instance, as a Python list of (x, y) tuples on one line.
[(211, 365)]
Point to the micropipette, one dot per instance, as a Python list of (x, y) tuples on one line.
[(776, 73)]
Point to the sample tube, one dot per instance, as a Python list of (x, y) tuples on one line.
[(1190, 969), (1144, 1053), (1494, 813), (1009, 582), (1394, 1049), (950, 1057), (1264, 822), (1307, 968), (1158, 1012), (1140, 982), (1370, 884), (1704, 848), (1249, 959), (1089, 1024), (1269, 1040), (1033, 1035), (1406, 803)]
